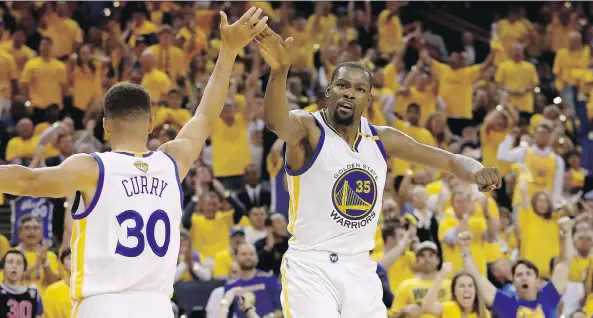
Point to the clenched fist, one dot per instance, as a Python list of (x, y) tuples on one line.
[(488, 179)]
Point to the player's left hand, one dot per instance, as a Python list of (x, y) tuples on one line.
[(240, 33), (488, 179)]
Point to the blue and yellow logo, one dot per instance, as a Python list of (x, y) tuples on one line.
[(354, 194)]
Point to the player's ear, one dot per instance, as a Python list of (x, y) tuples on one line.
[(150, 124), (327, 90), (106, 126)]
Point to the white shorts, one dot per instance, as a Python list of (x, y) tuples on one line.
[(124, 305), (317, 284)]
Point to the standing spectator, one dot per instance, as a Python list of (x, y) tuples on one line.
[(56, 299), (174, 115), (20, 149), (567, 60), (271, 248), (15, 295), (17, 48), (224, 259), (169, 59), (43, 81), (156, 82), (511, 30), (84, 76), (258, 285), (188, 263), (8, 78), (63, 31), (395, 257), (389, 27), (257, 230), (518, 78), (214, 306), (468, 48), (253, 194)]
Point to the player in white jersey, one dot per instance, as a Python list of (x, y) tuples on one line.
[(336, 162), (125, 243)]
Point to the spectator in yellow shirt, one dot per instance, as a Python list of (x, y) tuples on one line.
[(65, 33), (43, 81), (20, 149), (189, 265), (8, 77), (84, 76), (169, 58), (389, 27), (224, 259), (512, 30), (567, 60), (154, 81), (17, 48), (518, 78), (140, 25), (56, 299), (173, 116)]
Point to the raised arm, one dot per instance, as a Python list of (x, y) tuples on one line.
[(486, 290), (431, 304), (400, 145), (560, 273), (77, 173), (186, 147), (287, 125)]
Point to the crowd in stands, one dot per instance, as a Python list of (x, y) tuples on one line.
[(443, 248)]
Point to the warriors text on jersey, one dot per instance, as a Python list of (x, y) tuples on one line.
[(336, 198), (127, 238), (20, 302)]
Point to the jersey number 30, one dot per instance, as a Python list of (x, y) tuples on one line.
[(136, 231)]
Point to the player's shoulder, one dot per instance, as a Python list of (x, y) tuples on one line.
[(81, 162), (302, 114)]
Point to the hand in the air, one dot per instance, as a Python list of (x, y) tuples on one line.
[(464, 239), (240, 33), (446, 269), (565, 223), (488, 179), (273, 49)]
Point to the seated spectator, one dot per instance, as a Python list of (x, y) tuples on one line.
[(56, 298), (271, 248), (214, 305), (188, 263), (252, 194), (258, 285), (224, 259), (257, 230)]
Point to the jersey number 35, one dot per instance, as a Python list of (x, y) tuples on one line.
[(136, 231)]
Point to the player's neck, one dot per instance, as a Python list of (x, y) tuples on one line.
[(248, 274), (348, 132), (128, 145)]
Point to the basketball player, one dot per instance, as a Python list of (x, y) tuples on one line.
[(16, 299), (125, 243), (336, 162)]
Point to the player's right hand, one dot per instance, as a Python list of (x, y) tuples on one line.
[(273, 49), (240, 33)]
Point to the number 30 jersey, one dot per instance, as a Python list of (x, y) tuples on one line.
[(127, 237)]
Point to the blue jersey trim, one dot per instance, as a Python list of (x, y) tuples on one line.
[(178, 179), (98, 191), (378, 141), (316, 152), (143, 155)]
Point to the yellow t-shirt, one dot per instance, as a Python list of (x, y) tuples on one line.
[(477, 226), (559, 34), (230, 147), (4, 245), (301, 55), (44, 79), (509, 33), (56, 300), (222, 264), (490, 141), (390, 79), (390, 31), (211, 236), (426, 99), (65, 34), (19, 148), (518, 76), (451, 309), (578, 178), (35, 278), (580, 267), (538, 248), (412, 291), (421, 135), (325, 25), (401, 270), (170, 60), (156, 83), (566, 62), (456, 88), (8, 73), (539, 173), (21, 55), (86, 86), (497, 51), (311, 108), (177, 118), (146, 27)]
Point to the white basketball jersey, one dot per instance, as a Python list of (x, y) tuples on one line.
[(336, 198), (127, 238)]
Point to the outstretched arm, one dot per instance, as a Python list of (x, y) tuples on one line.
[(486, 290), (560, 274), (77, 173), (431, 304), (186, 147), (402, 146)]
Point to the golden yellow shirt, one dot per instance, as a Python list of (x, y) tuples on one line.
[(311, 108), (170, 60), (390, 31), (390, 79), (509, 33), (8, 73), (456, 88), (490, 141), (146, 27), (588, 309), (538, 248), (426, 99), (45, 80), (578, 178), (518, 76), (412, 291), (86, 86), (301, 55), (56, 300), (477, 226), (421, 135), (222, 264), (580, 267), (21, 55), (566, 62), (65, 34), (401, 270), (156, 83), (17, 147), (211, 236), (451, 309), (497, 51), (325, 24), (539, 172), (230, 147), (174, 117), (4, 245), (559, 34)]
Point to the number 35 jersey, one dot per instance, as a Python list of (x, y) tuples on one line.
[(127, 237), (336, 198)]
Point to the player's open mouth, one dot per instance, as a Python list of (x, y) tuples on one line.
[(345, 106)]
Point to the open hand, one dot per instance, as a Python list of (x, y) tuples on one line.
[(273, 49), (488, 179), (240, 33)]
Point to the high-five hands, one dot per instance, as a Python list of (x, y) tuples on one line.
[(273, 49), (240, 33)]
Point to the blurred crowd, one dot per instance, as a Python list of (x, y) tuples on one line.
[(523, 108)]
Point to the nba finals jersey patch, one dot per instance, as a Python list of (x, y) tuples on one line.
[(354, 195), (142, 166)]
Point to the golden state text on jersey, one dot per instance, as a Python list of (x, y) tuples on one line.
[(335, 199)]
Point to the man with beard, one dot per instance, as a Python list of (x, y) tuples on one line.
[(531, 300), (16, 299), (337, 166), (256, 284)]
